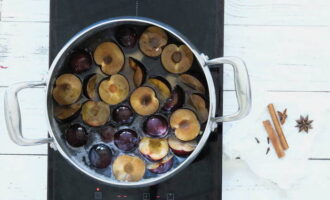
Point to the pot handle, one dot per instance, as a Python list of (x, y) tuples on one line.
[(13, 114), (242, 86)]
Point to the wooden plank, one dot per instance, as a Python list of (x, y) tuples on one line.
[(25, 11), (23, 52), (277, 13), (239, 182), (320, 146), (33, 122), (237, 12), (23, 177), (0, 9), (281, 58)]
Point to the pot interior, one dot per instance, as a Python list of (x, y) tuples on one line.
[(88, 41)]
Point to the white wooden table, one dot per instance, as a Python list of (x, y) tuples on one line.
[(285, 44)]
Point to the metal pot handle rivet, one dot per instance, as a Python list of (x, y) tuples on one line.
[(242, 86), (13, 114)]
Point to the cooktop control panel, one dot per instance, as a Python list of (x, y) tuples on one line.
[(100, 194)]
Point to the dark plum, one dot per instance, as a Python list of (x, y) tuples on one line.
[(123, 115), (175, 101), (162, 166), (107, 133), (100, 156), (126, 139), (80, 61), (156, 126), (126, 36), (76, 135)]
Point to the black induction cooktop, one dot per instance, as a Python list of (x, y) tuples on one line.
[(199, 20)]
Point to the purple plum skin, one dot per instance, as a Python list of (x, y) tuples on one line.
[(76, 135), (156, 126), (126, 140), (163, 167), (181, 153), (123, 115), (100, 156), (80, 61), (126, 36)]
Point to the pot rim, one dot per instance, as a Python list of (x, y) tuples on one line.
[(210, 125)]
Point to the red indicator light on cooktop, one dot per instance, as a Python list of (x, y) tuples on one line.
[(98, 189), (157, 197)]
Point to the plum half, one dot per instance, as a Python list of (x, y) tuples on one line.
[(185, 124), (156, 126), (126, 36), (110, 57), (91, 86), (114, 90), (154, 149), (192, 82), (128, 168), (144, 101), (67, 89), (67, 112), (177, 59), (95, 113), (162, 85), (123, 115), (152, 40), (199, 104), (100, 156), (181, 148), (139, 71), (161, 167), (126, 139), (175, 101), (76, 135), (80, 61)]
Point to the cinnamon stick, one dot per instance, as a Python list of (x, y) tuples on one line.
[(278, 127), (274, 139)]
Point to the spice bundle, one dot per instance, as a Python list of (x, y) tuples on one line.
[(276, 136)]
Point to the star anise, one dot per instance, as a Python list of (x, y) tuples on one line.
[(282, 116), (304, 124)]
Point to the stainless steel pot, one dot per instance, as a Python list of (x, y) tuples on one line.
[(13, 116)]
